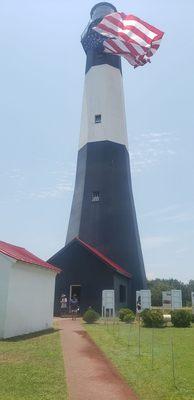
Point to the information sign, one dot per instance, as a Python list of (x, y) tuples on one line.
[(108, 303)]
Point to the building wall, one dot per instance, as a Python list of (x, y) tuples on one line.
[(118, 281), (79, 267), (30, 299), (5, 266)]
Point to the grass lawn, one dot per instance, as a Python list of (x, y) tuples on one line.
[(150, 373), (32, 367)]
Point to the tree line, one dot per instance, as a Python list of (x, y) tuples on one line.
[(157, 286)]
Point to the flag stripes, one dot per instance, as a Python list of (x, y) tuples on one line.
[(129, 36)]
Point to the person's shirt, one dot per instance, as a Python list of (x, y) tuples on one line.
[(63, 302), (73, 304)]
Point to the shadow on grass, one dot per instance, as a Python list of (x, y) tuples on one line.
[(31, 335)]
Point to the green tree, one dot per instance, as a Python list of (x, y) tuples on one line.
[(157, 286)]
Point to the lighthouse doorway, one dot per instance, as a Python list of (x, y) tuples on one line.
[(75, 290)]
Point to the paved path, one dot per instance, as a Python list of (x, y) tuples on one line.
[(90, 376)]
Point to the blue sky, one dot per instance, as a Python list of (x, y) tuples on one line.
[(41, 79)]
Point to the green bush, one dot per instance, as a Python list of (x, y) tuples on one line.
[(129, 317), (123, 312), (90, 316), (152, 318), (192, 318), (181, 318)]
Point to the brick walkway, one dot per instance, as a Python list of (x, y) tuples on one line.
[(90, 376)]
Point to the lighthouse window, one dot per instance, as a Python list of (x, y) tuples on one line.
[(95, 196), (97, 118), (122, 294)]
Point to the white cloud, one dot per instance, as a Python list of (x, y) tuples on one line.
[(25, 185), (177, 213), (185, 216), (56, 191), (152, 148), (181, 251), (153, 242), (64, 183), (15, 174), (161, 211)]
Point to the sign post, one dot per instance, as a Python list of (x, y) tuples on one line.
[(143, 299), (167, 300), (108, 303), (176, 299), (172, 299)]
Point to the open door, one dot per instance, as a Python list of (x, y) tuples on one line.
[(75, 290)]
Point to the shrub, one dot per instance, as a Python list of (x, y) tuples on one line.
[(152, 318), (129, 317), (192, 318), (181, 318), (90, 316), (123, 312)]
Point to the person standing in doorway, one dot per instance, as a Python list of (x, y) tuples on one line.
[(74, 307)]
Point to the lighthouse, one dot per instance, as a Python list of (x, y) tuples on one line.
[(102, 249)]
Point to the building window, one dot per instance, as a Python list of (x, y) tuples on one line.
[(122, 294), (95, 196), (98, 118)]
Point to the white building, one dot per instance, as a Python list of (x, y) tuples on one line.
[(27, 286)]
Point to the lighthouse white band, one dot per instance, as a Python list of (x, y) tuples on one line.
[(103, 100)]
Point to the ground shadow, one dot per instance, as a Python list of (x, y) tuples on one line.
[(31, 335)]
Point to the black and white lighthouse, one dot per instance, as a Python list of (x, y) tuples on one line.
[(102, 249)]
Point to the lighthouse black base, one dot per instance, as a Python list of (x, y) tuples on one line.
[(103, 212), (102, 216)]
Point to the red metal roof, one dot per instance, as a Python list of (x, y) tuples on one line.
[(107, 260), (21, 254)]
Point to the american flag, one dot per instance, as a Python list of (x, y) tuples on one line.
[(130, 37)]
